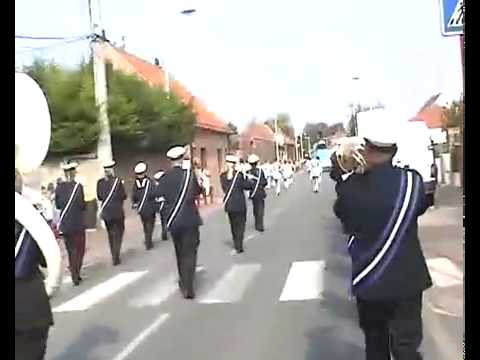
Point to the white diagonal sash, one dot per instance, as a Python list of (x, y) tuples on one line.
[(110, 194), (258, 183), (19, 243), (67, 207), (229, 193), (147, 187), (180, 199)]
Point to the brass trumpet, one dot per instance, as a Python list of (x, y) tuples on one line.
[(350, 155)]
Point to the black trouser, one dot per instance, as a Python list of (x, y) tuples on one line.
[(148, 226), (163, 219), (258, 211), (186, 243), (392, 327), (31, 344), (237, 225), (115, 230), (75, 244)]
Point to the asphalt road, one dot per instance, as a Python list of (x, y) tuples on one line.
[(285, 298)]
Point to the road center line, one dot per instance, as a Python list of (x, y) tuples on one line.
[(141, 337)]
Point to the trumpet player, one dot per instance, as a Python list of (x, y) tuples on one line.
[(234, 185), (257, 191), (379, 206)]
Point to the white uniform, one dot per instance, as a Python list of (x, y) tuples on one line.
[(316, 174)]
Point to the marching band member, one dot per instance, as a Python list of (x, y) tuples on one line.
[(179, 187), (234, 185), (111, 193), (161, 204), (316, 174), (143, 200), (70, 200), (257, 192), (379, 211)]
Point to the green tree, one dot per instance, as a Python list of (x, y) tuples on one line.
[(140, 116), (147, 117), (284, 124), (454, 114), (71, 100)]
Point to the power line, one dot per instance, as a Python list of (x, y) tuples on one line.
[(26, 37), (65, 42)]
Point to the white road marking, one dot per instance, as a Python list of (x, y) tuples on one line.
[(444, 272), (248, 238), (141, 337), (304, 281), (160, 292), (232, 285), (100, 292)]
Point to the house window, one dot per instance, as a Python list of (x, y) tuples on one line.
[(220, 159), (203, 158)]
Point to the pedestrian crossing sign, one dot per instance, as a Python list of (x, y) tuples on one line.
[(452, 17)]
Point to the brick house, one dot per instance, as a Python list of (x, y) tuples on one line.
[(260, 139), (210, 142)]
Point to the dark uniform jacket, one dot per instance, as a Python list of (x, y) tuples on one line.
[(379, 211), (172, 188), (111, 205), (32, 306), (73, 219), (234, 199), (143, 196), (257, 191)]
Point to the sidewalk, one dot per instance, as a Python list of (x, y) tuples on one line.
[(441, 234), (97, 249)]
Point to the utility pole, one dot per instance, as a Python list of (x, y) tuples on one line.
[(104, 145), (301, 145), (276, 139)]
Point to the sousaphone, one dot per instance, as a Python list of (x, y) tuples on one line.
[(32, 139)]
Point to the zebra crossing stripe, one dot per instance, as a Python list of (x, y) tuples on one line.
[(304, 281), (160, 292), (100, 292), (231, 287)]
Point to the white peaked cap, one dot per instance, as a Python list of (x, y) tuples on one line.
[(231, 159), (69, 166), (176, 152), (140, 168), (384, 130), (253, 159), (109, 164), (158, 175)]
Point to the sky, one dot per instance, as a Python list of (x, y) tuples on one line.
[(251, 59)]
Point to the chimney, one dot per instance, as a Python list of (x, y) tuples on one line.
[(156, 62)]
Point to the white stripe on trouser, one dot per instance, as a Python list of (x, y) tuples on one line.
[(392, 235)]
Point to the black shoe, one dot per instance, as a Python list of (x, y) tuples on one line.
[(260, 229), (164, 237), (116, 262), (189, 295), (149, 246), (239, 251)]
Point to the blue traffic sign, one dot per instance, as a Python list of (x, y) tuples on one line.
[(452, 14)]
